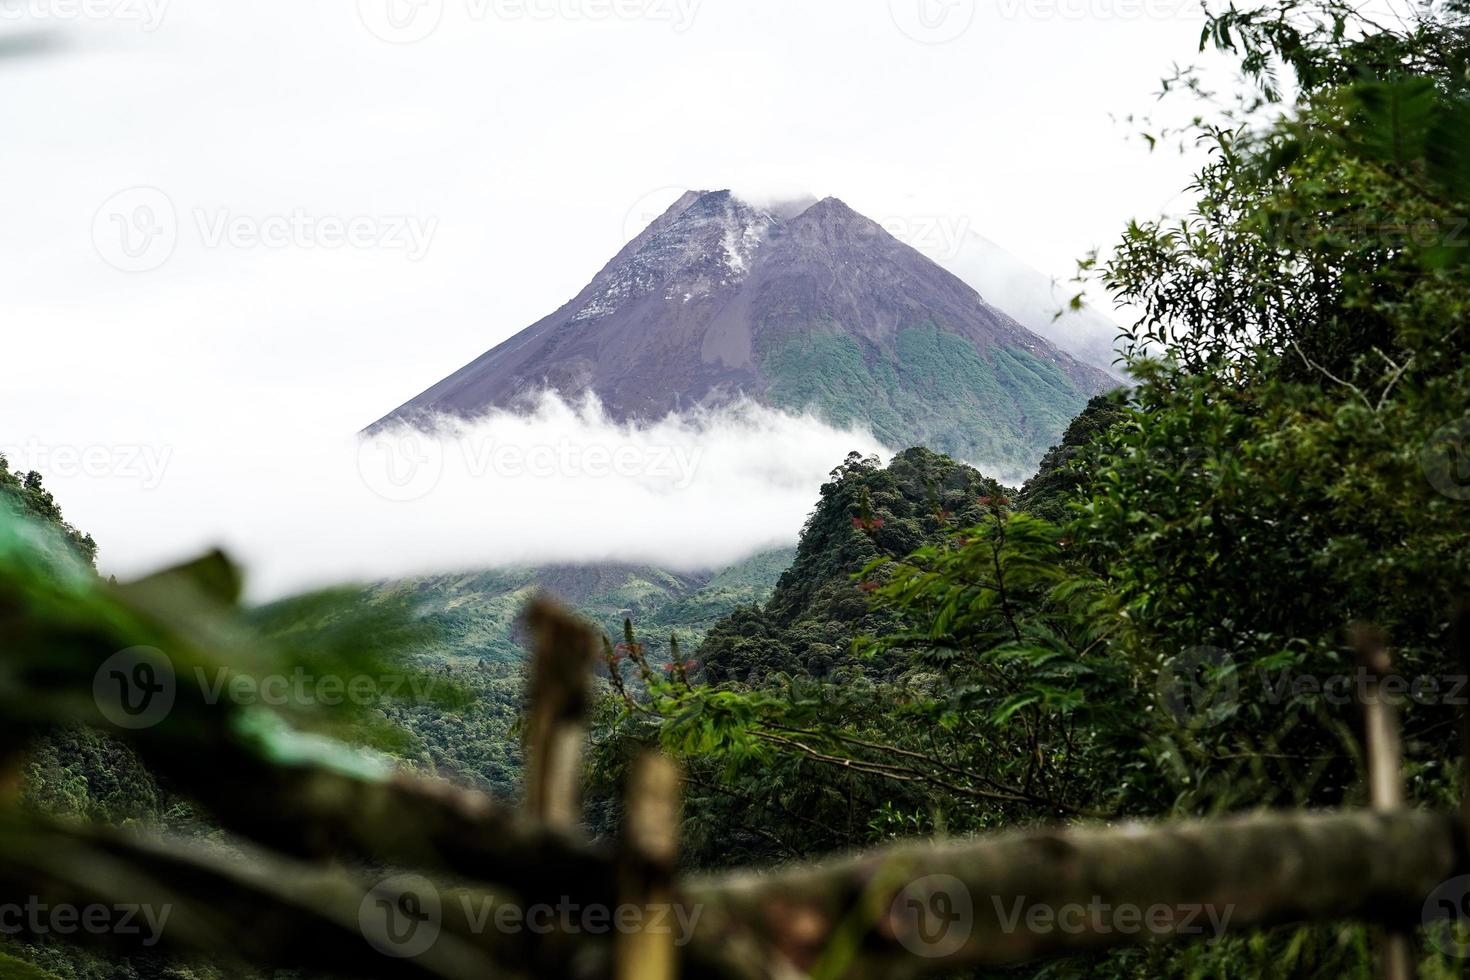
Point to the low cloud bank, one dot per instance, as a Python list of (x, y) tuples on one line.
[(563, 483)]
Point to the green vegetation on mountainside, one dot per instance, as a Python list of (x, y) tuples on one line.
[(474, 645), (1002, 408), (475, 616), (865, 511), (24, 494)]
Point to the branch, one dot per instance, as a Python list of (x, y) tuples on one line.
[(882, 915)]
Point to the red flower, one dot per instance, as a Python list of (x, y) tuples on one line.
[(867, 586)]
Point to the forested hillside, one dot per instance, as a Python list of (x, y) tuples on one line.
[(475, 616), (866, 511), (25, 494)]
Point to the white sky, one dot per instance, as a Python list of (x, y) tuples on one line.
[(523, 140)]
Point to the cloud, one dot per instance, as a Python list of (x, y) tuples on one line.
[(563, 483)]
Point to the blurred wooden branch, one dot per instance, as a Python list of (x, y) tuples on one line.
[(650, 851), (1235, 874), (1248, 872), (1460, 642), (563, 651), (248, 903), (1383, 743)]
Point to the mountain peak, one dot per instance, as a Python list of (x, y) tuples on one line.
[(831, 205), (803, 308), (830, 220)]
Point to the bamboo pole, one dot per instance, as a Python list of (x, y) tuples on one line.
[(562, 656), (650, 850), (1460, 641), (1383, 741)]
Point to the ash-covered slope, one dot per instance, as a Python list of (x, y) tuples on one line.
[(820, 309)]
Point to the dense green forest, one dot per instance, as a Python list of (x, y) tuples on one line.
[(1158, 624)]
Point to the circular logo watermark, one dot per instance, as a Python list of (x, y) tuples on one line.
[(1199, 686), (135, 688), (401, 464), (933, 916), (1447, 917), (400, 21), (648, 209), (932, 21), (401, 916), (1445, 459), (136, 230)]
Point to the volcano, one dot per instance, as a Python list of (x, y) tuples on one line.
[(810, 307)]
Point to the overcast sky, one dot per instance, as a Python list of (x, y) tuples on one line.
[(234, 230)]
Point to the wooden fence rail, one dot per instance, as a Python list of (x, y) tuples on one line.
[(453, 857)]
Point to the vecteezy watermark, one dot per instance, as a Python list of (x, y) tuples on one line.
[(138, 462), (138, 687), (403, 464), (34, 917), (932, 916), (1446, 917), (147, 14), (648, 209), (1290, 229), (1362, 687), (936, 916), (1097, 916), (1095, 10), (939, 236), (301, 688), (135, 688), (138, 229), (1201, 687), (932, 21), (410, 21), (1445, 459), (403, 916), (1198, 687)]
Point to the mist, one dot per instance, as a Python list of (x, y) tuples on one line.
[(562, 483)]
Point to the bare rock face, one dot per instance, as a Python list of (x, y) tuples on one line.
[(811, 307)]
